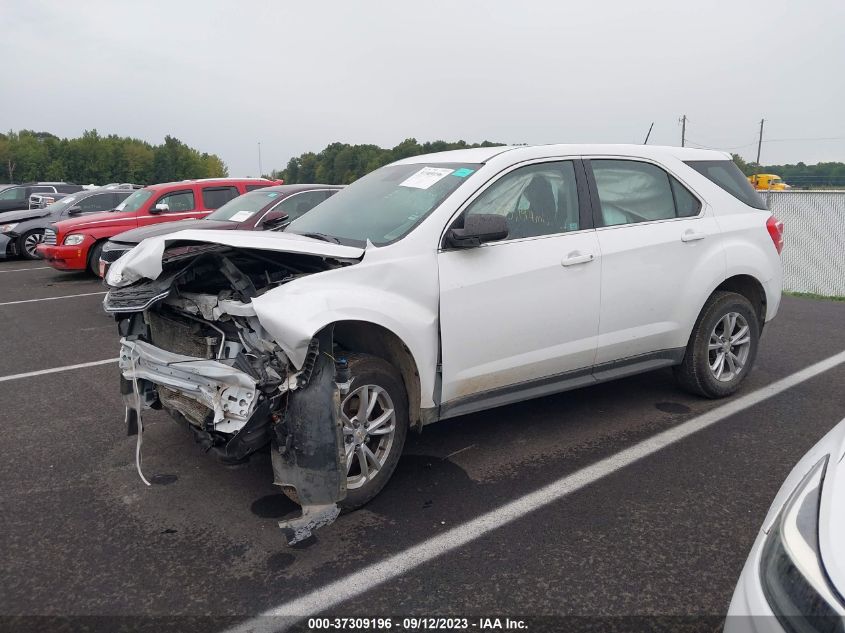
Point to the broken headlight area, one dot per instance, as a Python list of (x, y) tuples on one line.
[(193, 345)]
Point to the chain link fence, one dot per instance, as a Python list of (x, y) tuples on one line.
[(814, 233)]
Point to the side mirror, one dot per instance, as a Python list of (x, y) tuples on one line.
[(161, 207), (478, 229), (274, 222), (74, 211)]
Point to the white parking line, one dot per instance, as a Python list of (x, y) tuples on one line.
[(21, 270), (363, 580), (41, 372), (84, 294)]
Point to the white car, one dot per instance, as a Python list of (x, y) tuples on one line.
[(446, 284), (794, 579)]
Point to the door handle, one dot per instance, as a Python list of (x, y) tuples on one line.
[(577, 258), (692, 236)]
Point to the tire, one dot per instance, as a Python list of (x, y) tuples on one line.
[(94, 259), (368, 372), (30, 239), (702, 372)]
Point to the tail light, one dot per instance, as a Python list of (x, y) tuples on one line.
[(775, 229)]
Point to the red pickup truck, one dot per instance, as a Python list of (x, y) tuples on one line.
[(76, 244)]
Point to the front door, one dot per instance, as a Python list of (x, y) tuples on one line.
[(521, 314)]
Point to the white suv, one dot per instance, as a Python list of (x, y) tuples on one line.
[(440, 285)]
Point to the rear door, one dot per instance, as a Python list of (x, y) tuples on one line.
[(519, 316), (661, 251)]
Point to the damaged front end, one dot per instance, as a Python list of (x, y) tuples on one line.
[(191, 343)]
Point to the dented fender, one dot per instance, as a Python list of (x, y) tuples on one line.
[(372, 291)]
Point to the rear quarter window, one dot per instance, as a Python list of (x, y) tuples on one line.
[(728, 177)]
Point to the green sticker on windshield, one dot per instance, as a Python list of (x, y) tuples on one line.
[(463, 172), (272, 195)]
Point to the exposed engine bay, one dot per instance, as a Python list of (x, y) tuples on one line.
[(192, 344)]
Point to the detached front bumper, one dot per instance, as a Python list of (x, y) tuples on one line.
[(64, 257), (228, 394)]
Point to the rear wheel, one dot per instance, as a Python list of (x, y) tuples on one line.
[(28, 242), (722, 348), (94, 259), (375, 424)]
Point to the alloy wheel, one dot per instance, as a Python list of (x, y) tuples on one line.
[(31, 243), (369, 426), (730, 344)]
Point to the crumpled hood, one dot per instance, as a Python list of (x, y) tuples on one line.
[(144, 261), (20, 216), (832, 510), (134, 236)]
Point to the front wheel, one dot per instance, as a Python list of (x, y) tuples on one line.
[(375, 422), (722, 347), (28, 242), (94, 259)]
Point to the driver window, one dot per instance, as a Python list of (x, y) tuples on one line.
[(300, 203), (94, 204), (537, 200), (631, 191), (179, 201), (13, 193)]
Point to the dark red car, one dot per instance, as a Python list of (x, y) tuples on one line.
[(270, 208)]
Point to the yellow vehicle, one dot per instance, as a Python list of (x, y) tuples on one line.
[(768, 182)]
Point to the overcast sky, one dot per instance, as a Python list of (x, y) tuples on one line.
[(222, 76)]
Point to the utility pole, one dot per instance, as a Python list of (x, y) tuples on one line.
[(645, 142), (760, 141), (683, 129), (260, 172)]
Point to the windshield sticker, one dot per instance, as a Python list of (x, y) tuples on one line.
[(240, 216), (426, 177), (463, 172), (272, 195)]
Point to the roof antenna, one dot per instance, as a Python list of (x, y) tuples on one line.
[(645, 142)]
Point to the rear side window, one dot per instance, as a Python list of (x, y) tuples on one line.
[(728, 176), (632, 191), (216, 197)]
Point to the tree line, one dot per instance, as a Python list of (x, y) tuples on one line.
[(27, 155), (341, 163), (799, 175)]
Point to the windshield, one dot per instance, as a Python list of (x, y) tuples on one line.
[(385, 205), (136, 200), (244, 207)]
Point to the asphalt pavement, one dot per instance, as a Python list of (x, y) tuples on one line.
[(665, 536)]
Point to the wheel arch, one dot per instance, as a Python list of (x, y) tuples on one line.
[(370, 338), (749, 287)]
